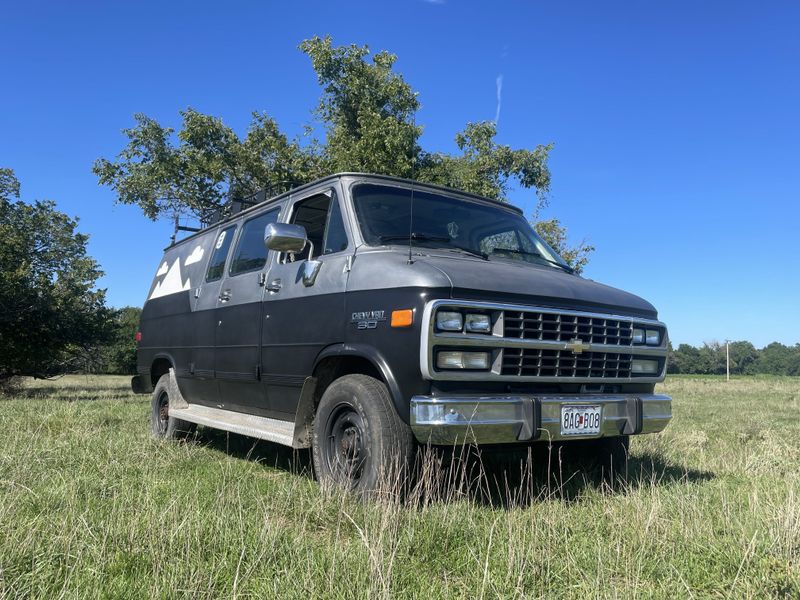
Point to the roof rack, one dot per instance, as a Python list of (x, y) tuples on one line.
[(232, 206), (236, 204)]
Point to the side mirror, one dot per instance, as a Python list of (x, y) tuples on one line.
[(285, 237)]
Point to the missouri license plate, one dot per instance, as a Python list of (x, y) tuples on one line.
[(580, 420)]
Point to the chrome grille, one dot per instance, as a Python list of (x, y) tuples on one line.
[(535, 362), (543, 344), (565, 327)]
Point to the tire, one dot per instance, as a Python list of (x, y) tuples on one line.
[(613, 452), (163, 426), (359, 441), (609, 454)]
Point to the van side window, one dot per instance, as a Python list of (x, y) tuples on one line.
[(251, 254), (216, 266), (335, 234), (324, 228)]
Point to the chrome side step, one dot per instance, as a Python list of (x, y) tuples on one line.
[(273, 430)]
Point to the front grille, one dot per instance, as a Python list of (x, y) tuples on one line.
[(534, 362), (565, 327)]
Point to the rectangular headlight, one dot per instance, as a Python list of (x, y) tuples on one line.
[(638, 336), (653, 337), (478, 323), (644, 367), (449, 321), (447, 359)]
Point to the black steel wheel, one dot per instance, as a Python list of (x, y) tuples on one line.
[(162, 425), (162, 414), (360, 443), (344, 447)]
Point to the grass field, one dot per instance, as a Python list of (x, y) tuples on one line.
[(90, 506)]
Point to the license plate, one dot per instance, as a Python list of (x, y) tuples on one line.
[(580, 420)]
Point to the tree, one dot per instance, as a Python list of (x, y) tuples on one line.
[(119, 355), (51, 315), (209, 162), (368, 112), (686, 359), (743, 357), (779, 359)]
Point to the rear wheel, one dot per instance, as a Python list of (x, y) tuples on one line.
[(162, 425), (359, 441)]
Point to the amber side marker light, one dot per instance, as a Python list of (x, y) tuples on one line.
[(402, 318)]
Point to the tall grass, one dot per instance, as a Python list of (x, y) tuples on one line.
[(90, 506)]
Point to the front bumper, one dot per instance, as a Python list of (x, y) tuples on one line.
[(507, 419)]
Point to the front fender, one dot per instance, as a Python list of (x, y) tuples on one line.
[(378, 360)]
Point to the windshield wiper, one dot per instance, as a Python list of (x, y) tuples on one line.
[(422, 237), (470, 251), (417, 237), (567, 268)]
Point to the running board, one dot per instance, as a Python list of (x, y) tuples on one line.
[(273, 430)]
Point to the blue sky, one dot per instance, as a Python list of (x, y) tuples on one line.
[(676, 125)]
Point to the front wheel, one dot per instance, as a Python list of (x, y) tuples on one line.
[(359, 441)]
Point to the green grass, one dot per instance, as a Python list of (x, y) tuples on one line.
[(91, 506)]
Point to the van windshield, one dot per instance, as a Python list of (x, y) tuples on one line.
[(439, 221)]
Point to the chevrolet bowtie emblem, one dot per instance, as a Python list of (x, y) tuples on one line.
[(577, 346)]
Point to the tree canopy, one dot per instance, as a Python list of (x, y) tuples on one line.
[(50, 312), (368, 113)]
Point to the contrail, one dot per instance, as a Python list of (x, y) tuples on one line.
[(499, 82)]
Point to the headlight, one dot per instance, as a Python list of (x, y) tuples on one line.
[(449, 321), (447, 359), (478, 323), (644, 367), (651, 337)]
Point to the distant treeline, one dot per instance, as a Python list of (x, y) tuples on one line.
[(745, 359)]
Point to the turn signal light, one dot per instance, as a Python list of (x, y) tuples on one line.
[(402, 318)]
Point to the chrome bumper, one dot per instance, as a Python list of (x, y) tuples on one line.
[(507, 419)]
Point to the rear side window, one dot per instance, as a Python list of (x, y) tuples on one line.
[(216, 266), (251, 254)]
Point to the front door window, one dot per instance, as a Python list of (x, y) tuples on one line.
[(321, 217)]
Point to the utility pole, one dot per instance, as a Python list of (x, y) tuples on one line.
[(727, 360)]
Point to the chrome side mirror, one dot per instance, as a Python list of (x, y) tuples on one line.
[(285, 237)]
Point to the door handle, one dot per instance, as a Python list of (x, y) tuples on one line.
[(274, 286), (225, 296)]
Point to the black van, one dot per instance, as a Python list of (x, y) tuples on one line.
[(362, 315)]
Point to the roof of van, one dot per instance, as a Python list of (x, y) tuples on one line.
[(335, 176)]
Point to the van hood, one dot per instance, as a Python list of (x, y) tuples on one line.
[(525, 283)]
